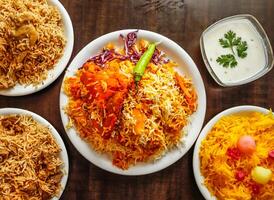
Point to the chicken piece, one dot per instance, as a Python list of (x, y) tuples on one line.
[(21, 56), (29, 31), (140, 118), (9, 122)]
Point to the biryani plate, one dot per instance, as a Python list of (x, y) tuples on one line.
[(129, 101)]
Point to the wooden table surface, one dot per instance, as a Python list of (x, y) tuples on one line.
[(182, 21)]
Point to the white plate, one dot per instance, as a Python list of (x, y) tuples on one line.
[(53, 74), (176, 53), (196, 161), (41, 120)]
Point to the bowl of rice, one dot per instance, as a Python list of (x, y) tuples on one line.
[(223, 168), (36, 42)]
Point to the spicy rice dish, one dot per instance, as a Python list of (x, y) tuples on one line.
[(31, 41), (30, 163), (128, 120)]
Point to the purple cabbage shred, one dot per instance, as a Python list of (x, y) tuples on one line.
[(131, 52)]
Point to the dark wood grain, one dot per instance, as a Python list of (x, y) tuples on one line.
[(182, 21)]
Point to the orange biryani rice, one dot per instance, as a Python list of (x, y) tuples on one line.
[(221, 162), (131, 124)]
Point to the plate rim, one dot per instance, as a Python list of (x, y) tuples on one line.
[(77, 60), (196, 161), (60, 66), (54, 133)]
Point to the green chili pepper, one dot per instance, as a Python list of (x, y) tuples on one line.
[(142, 63)]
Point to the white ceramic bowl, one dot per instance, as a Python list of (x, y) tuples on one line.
[(196, 161), (176, 53), (63, 153), (53, 74)]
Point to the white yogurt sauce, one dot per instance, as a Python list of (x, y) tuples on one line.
[(247, 67)]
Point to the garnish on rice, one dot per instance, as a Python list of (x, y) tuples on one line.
[(115, 118)]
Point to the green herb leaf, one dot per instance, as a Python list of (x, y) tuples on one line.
[(231, 41), (236, 41), (227, 60), (241, 49), (230, 35), (224, 43)]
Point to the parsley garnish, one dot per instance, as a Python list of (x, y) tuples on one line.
[(227, 60), (231, 41), (241, 49)]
